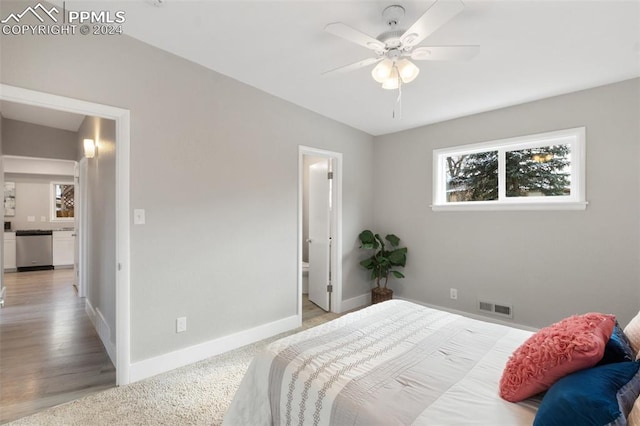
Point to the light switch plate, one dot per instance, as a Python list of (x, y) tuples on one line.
[(31, 218), (139, 217), (181, 324)]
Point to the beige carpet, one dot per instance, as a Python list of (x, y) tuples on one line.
[(197, 394)]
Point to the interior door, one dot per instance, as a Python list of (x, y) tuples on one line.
[(319, 233), (82, 224), (76, 226)]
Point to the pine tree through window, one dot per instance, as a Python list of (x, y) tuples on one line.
[(530, 172)]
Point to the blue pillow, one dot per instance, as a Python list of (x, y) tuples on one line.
[(595, 396), (618, 348)]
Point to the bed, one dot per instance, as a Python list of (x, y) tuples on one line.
[(394, 363)]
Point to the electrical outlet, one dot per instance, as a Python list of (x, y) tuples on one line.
[(181, 324), (453, 293)]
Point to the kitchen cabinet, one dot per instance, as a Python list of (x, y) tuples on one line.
[(10, 251), (63, 248)]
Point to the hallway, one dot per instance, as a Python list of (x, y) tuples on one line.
[(49, 351)]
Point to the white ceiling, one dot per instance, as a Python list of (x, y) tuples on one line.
[(529, 50)]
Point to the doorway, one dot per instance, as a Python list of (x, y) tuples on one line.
[(122, 124), (320, 227)]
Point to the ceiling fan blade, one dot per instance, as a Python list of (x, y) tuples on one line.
[(444, 53), (346, 32), (439, 13), (354, 66)]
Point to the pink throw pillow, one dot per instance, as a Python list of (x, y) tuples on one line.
[(553, 352)]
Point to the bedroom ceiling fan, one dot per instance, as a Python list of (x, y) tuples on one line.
[(396, 47)]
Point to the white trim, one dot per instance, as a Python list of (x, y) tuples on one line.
[(356, 302), (52, 201), (104, 331), (336, 255), (91, 313), (102, 328), (122, 119), (471, 315), (166, 362), (38, 165), (491, 206), (575, 137), (81, 231)]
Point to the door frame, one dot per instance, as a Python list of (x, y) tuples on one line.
[(336, 218), (83, 225), (123, 273)]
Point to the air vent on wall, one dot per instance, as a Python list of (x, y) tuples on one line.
[(494, 308)]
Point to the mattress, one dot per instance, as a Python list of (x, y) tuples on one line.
[(394, 363)]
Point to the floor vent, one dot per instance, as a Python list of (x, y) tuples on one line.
[(499, 309)]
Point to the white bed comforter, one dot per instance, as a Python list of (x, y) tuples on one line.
[(394, 363)]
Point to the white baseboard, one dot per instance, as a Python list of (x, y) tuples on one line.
[(102, 328), (91, 313), (470, 315), (104, 331), (355, 302), (172, 360)]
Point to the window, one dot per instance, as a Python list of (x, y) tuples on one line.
[(543, 171), (62, 201)]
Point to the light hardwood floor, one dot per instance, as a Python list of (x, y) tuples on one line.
[(309, 309), (49, 351)]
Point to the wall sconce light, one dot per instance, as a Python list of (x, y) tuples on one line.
[(89, 148)]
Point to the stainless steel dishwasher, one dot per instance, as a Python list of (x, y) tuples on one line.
[(34, 250)]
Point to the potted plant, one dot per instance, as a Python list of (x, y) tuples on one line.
[(383, 262)]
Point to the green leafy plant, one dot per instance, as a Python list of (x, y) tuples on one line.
[(383, 261)]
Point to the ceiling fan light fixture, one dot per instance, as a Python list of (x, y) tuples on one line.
[(382, 71), (408, 70), (393, 82)]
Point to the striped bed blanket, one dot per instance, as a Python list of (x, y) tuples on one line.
[(394, 363)]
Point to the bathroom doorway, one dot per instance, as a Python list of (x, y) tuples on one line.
[(320, 249)]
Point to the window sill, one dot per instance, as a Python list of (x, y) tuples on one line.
[(493, 206)]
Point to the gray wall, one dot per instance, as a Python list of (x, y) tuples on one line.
[(549, 264), (101, 222), (33, 140), (33, 198), (214, 162)]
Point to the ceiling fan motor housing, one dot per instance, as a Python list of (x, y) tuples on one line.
[(391, 39)]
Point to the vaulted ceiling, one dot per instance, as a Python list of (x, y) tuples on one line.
[(528, 50)]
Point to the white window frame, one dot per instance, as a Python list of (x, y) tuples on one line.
[(574, 137), (52, 202)]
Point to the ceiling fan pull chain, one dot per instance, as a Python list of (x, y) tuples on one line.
[(398, 103)]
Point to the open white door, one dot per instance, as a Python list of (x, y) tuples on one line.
[(319, 233), (76, 226), (80, 262)]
